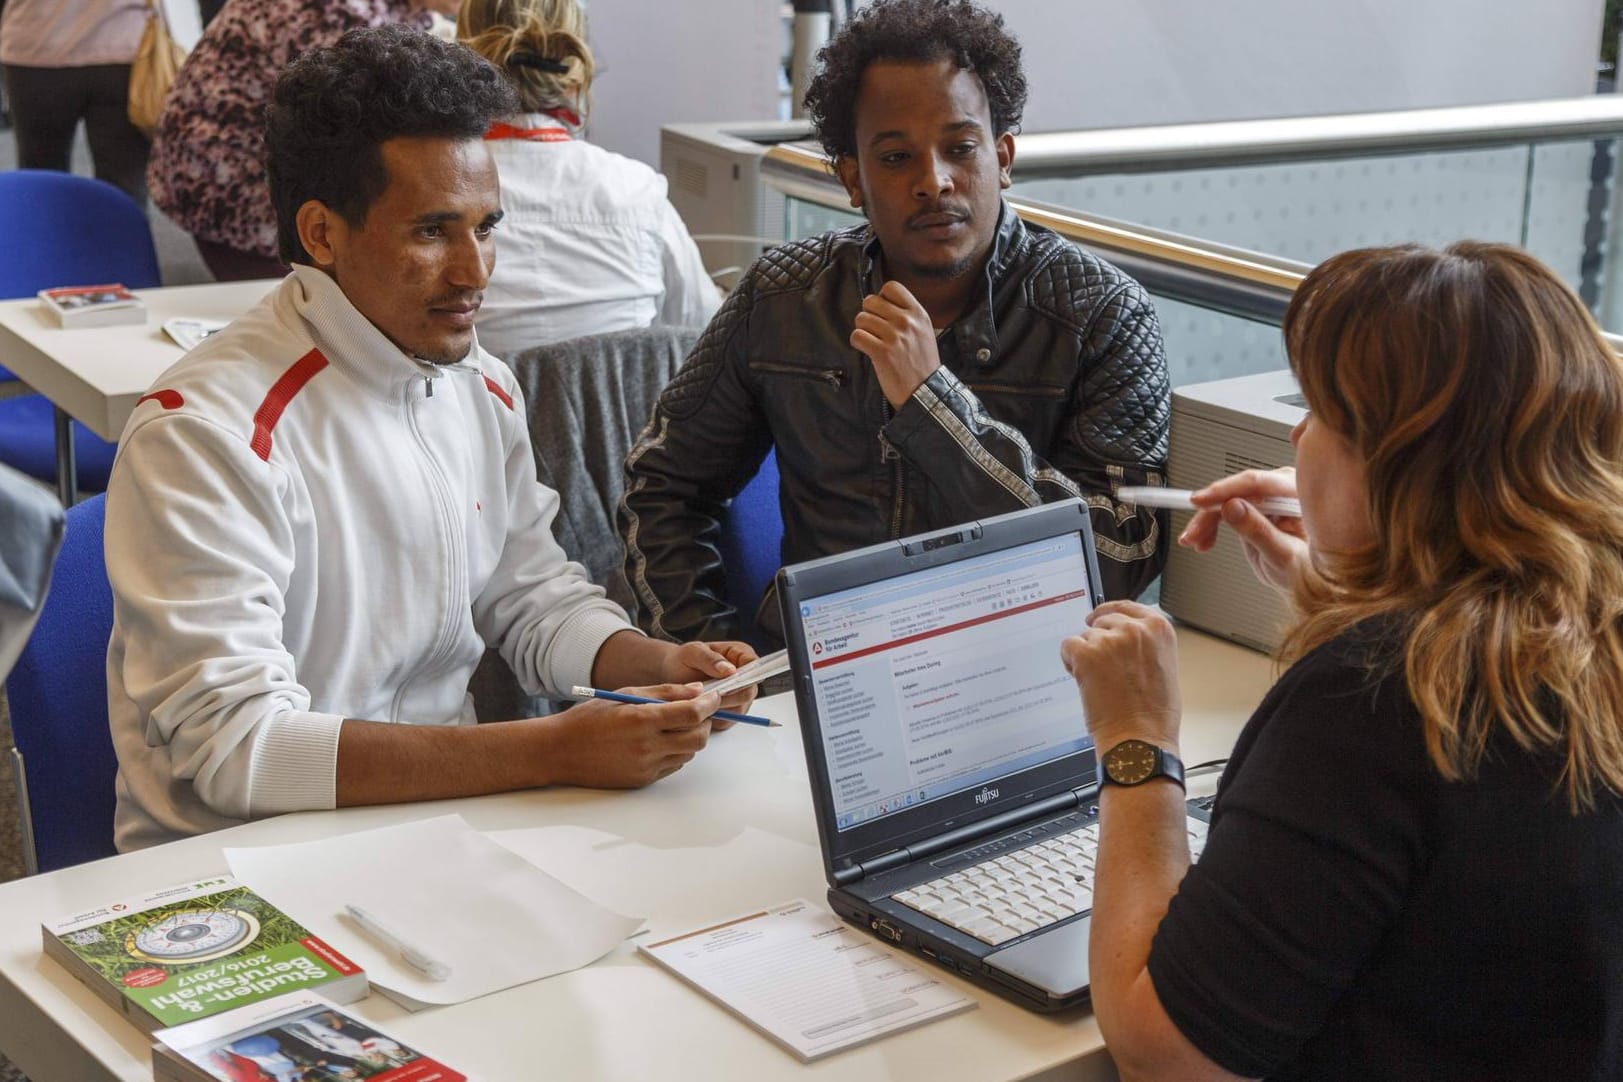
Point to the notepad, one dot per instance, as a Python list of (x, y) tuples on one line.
[(808, 980)]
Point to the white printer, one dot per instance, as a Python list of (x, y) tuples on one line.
[(1220, 428)]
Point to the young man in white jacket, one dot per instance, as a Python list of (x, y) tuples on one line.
[(320, 516)]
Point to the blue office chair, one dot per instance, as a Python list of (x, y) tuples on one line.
[(64, 230), (751, 545), (58, 699)]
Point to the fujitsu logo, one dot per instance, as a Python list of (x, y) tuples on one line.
[(985, 796)]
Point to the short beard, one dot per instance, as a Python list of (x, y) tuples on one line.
[(942, 273)]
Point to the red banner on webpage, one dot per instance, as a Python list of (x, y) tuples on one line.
[(921, 636)]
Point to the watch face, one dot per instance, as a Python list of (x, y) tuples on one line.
[(1131, 762)]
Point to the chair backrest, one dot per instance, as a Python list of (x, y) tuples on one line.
[(589, 399), (67, 230), (751, 545), (57, 695)]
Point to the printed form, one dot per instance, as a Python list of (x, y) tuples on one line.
[(807, 979)]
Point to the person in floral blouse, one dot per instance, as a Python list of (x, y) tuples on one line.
[(207, 169)]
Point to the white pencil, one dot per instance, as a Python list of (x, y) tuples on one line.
[(1178, 499), (416, 959)]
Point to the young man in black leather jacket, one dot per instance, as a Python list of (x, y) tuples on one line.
[(941, 363)]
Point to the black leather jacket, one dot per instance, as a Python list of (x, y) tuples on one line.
[(1054, 387)]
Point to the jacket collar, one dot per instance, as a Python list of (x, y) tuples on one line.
[(350, 342), (976, 330)]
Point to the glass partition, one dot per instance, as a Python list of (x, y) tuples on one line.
[(1553, 199), (1189, 209)]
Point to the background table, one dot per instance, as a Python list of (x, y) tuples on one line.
[(731, 832), (96, 374)]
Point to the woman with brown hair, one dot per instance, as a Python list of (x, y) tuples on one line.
[(589, 243), (1415, 863)]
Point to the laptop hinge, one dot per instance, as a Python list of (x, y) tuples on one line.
[(884, 862)]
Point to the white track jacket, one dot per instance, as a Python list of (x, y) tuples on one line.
[(305, 524)]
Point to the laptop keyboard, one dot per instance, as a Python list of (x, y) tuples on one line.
[(1022, 890)]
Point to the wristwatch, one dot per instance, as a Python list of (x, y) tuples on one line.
[(1134, 762)]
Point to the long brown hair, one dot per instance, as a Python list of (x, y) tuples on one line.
[(506, 32), (1488, 411)]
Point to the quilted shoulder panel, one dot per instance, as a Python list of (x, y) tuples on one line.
[(1072, 285), (794, 265), (1125, 374)]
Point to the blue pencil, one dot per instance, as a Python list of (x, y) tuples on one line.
[(621, 697)]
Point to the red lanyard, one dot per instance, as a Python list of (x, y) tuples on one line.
[(499, 130)]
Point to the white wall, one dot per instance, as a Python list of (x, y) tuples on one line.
[(1103, 63), (691, 60), (1106, 63)]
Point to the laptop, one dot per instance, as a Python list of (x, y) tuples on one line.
[(953, 776)]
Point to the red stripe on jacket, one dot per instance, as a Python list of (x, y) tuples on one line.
[(281, 393), (168, 399), (496, 389)]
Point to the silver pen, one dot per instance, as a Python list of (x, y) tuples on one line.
[(1178, 499), (416, 959)]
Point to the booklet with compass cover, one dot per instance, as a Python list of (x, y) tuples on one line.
[(195, 950)]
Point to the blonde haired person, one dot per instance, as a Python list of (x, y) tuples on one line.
[(589, 243), (1415, 864)]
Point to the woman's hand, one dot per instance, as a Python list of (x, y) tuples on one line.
[(1275, 545), (1125, 664)]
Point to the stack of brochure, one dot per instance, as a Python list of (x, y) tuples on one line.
[(92, 306), (297, 1036)]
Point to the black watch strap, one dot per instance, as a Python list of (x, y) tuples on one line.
[(1134, 762)]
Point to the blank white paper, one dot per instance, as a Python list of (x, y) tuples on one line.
[(496, 919)]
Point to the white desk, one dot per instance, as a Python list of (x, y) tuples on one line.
[(730, 832), (96, 374)]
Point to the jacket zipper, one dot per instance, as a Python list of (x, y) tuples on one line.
[(834, 377), (440, 488)]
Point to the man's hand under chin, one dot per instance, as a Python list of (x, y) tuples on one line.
[(894, 330)]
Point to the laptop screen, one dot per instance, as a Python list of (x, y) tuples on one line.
[(944, 680)]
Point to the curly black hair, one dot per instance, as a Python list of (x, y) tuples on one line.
[(972, 37), (335, 106)]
